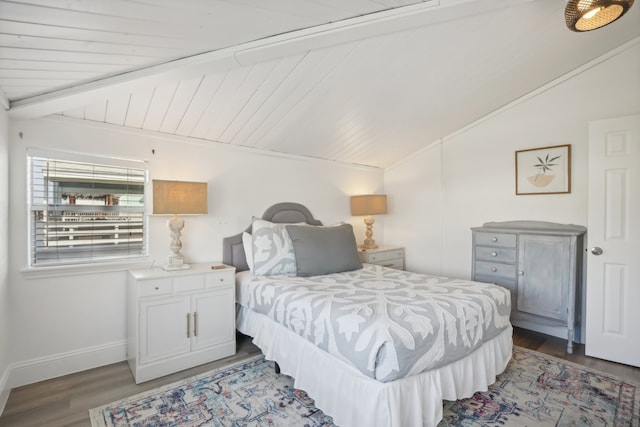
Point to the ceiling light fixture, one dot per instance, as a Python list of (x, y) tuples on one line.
[(587, 15)]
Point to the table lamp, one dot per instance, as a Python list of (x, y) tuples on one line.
[(178, 198), (368, 205)]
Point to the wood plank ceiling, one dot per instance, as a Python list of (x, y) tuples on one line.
[(361, 81)]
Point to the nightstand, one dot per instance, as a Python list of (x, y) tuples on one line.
[(388, 256), (179, 319)]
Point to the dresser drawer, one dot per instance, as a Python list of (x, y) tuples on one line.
[(497, 254), (495, 269), (496, 239), (505, 282)]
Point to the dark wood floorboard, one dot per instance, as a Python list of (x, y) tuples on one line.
[(65, 401)]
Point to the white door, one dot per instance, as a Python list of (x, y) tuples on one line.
[(613, 278)]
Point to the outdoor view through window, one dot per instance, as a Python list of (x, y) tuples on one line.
[(85, 212)]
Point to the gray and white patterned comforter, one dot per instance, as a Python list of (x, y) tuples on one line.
[(387, 323)]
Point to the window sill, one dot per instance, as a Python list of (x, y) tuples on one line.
[(82, 269)]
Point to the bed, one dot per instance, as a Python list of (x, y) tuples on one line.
[(371, 345)]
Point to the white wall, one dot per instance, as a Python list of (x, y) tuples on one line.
[(5, 321), (477, 166), (61, 324), (414, 202)]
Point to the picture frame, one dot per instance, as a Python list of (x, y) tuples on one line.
[(544, 170)]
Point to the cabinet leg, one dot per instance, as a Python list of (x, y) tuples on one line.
[(570, 342)]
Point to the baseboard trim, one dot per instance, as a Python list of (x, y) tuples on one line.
[(4, 389), (44, 368)]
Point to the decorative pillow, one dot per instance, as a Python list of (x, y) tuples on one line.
[(324, 250), (247, 243), (272, 249)]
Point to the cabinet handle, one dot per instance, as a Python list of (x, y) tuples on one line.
[(494, 239), (188, 325), (494, 253), (195, 324), (494, 269), (521, 273)]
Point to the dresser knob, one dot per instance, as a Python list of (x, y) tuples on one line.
[(494, 253), (494, 269), (157, 288), (494, 239), (521, 273)]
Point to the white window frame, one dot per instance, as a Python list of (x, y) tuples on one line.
[(88, 260)]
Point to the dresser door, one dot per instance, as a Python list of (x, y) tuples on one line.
[(543, 275)]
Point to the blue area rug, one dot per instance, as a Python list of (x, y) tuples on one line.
[(534, 390)]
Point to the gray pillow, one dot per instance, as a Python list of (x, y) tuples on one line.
[(324, 250)]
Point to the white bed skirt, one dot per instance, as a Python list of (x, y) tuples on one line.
[(354, 400)]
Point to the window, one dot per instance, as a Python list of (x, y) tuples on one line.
[(85, 209)]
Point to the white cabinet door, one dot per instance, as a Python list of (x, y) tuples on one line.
[(613, 284), (214, 314), (163, 328)]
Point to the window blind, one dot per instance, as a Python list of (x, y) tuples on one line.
[(85, 211)]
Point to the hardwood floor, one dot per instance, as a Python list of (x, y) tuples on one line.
[(66, 401)]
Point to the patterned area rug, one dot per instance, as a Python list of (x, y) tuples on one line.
[(534, 390)]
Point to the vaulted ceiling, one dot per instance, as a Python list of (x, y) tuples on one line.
[(361, 81)]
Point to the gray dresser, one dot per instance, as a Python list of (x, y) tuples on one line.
[(541, 264)]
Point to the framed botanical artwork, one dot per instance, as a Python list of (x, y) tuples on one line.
[(545, 170)]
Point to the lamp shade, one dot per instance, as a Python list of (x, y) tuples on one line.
[(587, 15), (179, 197), (370, 204)]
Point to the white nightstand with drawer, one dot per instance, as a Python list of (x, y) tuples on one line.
[(179, 319), (388, 256)]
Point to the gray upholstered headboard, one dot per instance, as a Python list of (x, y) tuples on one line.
[(232, 248)]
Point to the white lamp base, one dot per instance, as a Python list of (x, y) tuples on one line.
[(175, 262), (170, 267), (369, 242)]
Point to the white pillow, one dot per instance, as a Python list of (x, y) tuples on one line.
[(272, 249), (247, 242)]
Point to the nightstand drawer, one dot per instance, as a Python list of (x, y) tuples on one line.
[(498, 254), (495, 269), (397, 263), (376, 257), (189, 283), (496, 239), (155, 287), (388, 256), (222, 278)]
